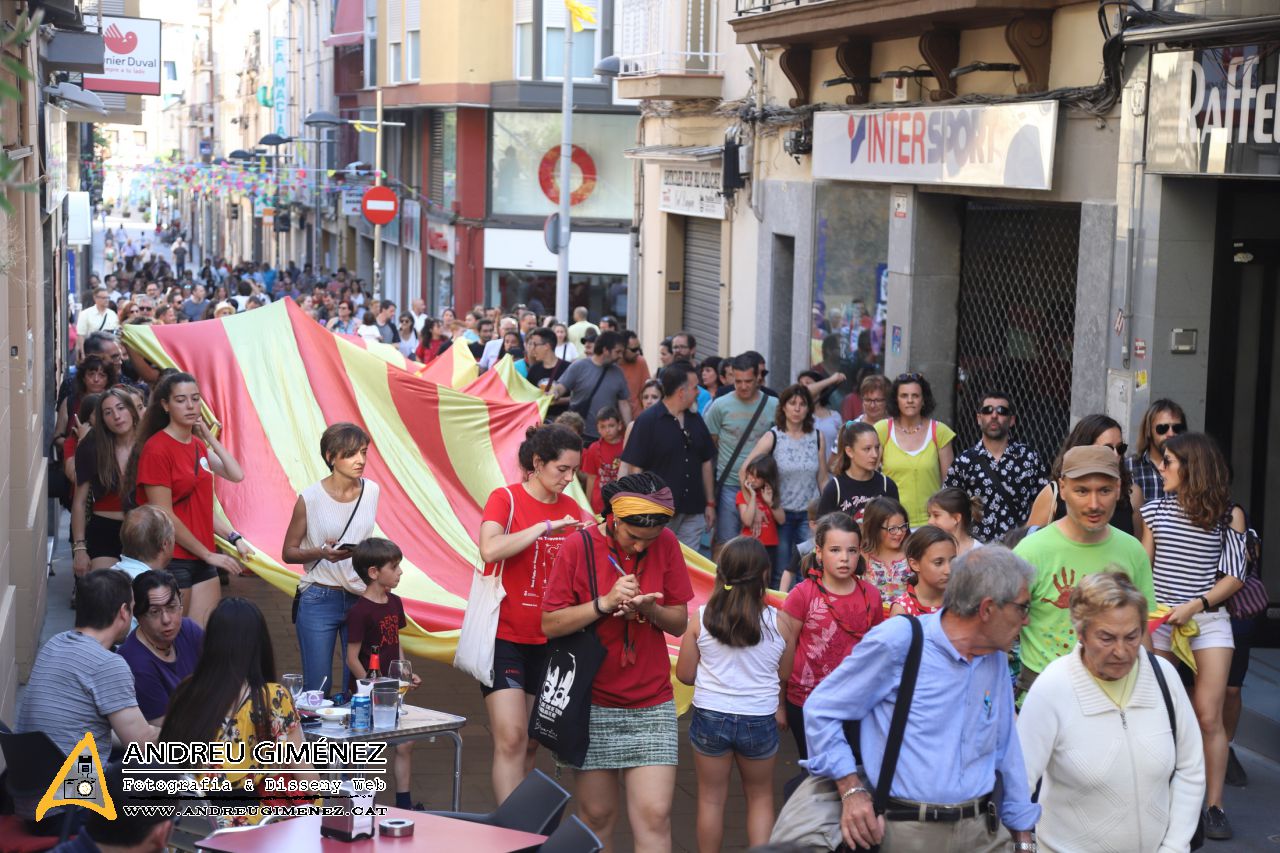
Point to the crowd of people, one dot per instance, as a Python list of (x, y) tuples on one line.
[(1025, 585)]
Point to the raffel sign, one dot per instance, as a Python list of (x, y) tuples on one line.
[(1001, 145)]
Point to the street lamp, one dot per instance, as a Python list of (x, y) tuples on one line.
[(321, 121), (274, 141)]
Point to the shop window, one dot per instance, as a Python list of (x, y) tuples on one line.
[(850, 285), (536, 290), (525, 167)]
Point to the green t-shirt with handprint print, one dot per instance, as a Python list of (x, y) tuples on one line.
[(1060, 564)]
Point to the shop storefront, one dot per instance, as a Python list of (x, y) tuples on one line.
[(911, 273), (525, 189)]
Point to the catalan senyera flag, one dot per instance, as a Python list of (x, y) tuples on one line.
[(444, 436)]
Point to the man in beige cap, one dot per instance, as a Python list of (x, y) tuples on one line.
[(1081, 543)]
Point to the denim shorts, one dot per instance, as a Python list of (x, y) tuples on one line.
[(714, 734)]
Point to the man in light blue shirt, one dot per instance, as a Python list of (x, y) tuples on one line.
[(960, 730), (147, 539)]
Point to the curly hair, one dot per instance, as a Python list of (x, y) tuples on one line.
[(1204, 488), (927, 405), (546, 442)]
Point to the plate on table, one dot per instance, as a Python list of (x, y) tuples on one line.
[(331, 714)]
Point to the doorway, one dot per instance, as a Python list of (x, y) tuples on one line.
[(1243, 395)]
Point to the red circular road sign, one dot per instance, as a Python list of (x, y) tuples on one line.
[(379, 205)]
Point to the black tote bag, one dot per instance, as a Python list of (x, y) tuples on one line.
[(561, 718)]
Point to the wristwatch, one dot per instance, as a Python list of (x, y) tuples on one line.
[(1025, 847), (233, 538), (855, 790)]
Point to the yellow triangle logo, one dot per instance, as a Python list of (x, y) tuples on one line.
[(80, 782)]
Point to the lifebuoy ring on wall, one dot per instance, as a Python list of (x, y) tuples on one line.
[(547, 175)]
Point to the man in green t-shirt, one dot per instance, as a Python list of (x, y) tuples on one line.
[(1081, 543), (727, 419)]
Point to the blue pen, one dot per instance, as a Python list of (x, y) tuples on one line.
[(615, 565)]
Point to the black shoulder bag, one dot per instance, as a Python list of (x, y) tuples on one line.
[(561, 718), (297, 590), (897, 729), (1197, 838), (737, 451)]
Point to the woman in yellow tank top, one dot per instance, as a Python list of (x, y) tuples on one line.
[(917, 449)]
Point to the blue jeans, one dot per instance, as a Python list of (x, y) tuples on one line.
[(322, 621), (715, 733), (791, 533), (728, 524)]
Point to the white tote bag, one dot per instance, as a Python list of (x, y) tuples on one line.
[(480, 622)]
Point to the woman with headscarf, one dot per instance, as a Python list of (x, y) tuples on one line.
[(633, 734)]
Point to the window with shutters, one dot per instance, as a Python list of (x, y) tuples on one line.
[(395, 41), (412, 40), (443, 154), (539, 41), (370, 43)]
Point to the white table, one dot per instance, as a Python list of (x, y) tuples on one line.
[(414, 724)]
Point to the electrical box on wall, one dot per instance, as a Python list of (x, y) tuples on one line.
[(1183, 341), (900, 90)]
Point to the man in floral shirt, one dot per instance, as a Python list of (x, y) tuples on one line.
[(1006, 475)]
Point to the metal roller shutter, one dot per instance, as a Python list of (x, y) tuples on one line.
[(702, 282)]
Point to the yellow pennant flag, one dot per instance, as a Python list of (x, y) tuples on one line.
[(363, 128), (580, 13)]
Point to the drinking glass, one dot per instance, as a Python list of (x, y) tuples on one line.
[(293, 682), (386, 705), (402, 671)]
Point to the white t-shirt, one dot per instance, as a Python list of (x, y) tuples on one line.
[(92, 320)]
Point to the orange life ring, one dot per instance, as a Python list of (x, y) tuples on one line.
[(547, 175)]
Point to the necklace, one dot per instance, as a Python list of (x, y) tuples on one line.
[(164, 654), (911, 430)]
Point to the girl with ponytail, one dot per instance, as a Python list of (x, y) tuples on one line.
[(730, 656)]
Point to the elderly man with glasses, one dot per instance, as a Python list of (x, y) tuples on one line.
[(1005, 474), (938, 776)]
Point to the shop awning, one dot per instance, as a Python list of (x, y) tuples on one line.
[(682, 153), (348, 26)]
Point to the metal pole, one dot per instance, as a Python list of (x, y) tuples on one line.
[(566, 174), (377, 182)]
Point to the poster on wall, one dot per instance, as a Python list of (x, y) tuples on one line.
[(131, 62), (996, 145), (691, 192)]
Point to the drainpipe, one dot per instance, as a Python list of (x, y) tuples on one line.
[(1138, 187), (757, 64)]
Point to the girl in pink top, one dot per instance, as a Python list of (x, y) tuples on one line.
[(930, 551)]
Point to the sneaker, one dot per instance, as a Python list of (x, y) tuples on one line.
[(1216, 825), (1236, 777)]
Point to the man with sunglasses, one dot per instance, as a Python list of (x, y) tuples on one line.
[(1081, 543), (1164, 419), (1005, 474), (633, 366)]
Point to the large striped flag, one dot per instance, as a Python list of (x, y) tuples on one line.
[(444, 437)]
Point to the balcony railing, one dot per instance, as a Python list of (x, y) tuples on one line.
[(750, 7), (669, 37)]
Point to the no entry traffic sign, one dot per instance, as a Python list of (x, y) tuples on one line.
[(379, 205)]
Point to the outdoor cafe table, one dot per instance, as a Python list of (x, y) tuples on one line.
[(430, 833), (414, 724)]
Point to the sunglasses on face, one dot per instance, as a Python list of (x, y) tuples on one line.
[(1002, 411), (1178, 428), (1120, 449), (635, 350)]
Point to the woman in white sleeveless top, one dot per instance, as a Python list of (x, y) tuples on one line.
[(338, 510)]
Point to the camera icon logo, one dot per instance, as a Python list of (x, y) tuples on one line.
[(83, 783), (80, 782)]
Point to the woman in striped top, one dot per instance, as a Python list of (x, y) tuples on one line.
[(1195, 537)]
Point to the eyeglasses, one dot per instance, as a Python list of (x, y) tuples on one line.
[(873, 401), (1120, 449), (173, 609), (1178, 428), (1002, 411), (896, 528), (1024, 606)]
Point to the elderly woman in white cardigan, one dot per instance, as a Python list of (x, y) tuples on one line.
[(1095, 730)]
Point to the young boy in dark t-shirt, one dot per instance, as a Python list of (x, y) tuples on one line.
[(373, 625)]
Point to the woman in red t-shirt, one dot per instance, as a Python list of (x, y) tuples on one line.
[(171, 469), (521, 532), (101, 462), (633, 734)]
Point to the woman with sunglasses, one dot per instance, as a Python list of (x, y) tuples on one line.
[(917, 448), (1195, 537), (1163, 419), (1097, 430)]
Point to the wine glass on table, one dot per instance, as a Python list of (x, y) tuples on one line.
[(402, 671), (293, 682)]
